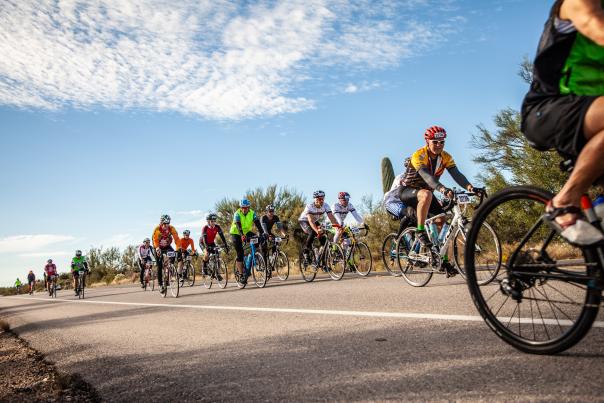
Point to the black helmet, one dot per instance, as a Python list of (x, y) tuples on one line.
[(270, 207)]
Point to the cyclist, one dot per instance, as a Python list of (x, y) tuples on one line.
[(18, 285), (243, 221), (31, 281), (183, 250), (50, 270), (564, 108), (341, 209), (393, 204), (163, 235), (422, 178), (78, 262), (309, 221), (145, 255), (207, 241), (270, 220)]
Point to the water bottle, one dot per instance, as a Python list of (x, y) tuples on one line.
[(443, 232), (433, 231), (248, 262), (598, 206)]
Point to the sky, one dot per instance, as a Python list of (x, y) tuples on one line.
[(113, 112)]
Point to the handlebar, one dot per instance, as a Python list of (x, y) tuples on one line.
[(480, 192)]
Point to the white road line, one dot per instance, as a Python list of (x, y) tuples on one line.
[(396, 315)]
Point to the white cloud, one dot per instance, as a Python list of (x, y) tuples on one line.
[(30, 243), (361, 87), (218, 59), (351, 89), (48, 255)]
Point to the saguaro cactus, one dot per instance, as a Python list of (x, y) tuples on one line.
[(387, 174)]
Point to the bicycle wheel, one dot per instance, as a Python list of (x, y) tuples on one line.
[(54, 289), (238, 277), (165, 280), (207, 278), (543, 300), (361, 259), (389, 255), (282, 265), (307, 270), (336, 261), (413, 259), (488, 254), (82, 285), (221, 273), (174, 281), (152, 279), (259, 272), (190, 273)]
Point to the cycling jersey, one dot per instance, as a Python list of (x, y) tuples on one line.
[(50, 269), (246, 221), (144, 252), (267, 223), (78, 263), (313, 212), (163, 236), (421, 160), (210, 234), (185, 243), (31, 277), (340, 212)]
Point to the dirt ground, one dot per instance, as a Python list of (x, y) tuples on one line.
[(26, 376)]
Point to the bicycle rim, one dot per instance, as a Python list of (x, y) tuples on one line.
[(414, 265), (238, 277), (190, 274), (539, 302), (174, 281), (307, 271), (389, 255), (207, 278), (282, 266), (259, 271), (220, 268), (336, 261), (361, 257)]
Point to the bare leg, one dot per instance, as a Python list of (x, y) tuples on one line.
[(424, 198)]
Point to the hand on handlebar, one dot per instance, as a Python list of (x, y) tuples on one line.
[(243, 238)]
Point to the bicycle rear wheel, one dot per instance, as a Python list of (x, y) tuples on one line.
[(413, 259), (259, 272), (389, 255), (282, 265), (547, 295), (488, 254), (336, 261), (361, 259), (307, 270), (190, 273)]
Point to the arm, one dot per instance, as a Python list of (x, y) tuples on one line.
[(156, 237), (587, 16), (259, 225), (430, 180), (264, 223), (223, 238), (312, 224), (203, 241), (356, 216), (175, 236), (333, 220), (459, 178)]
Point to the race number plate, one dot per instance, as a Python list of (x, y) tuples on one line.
[(355, 230), (254, 241), (277, 239), (171, 254), (463, 199)]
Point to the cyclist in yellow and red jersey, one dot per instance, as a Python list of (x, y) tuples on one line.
[(422, 177), (163, 235)]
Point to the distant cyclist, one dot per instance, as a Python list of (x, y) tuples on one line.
[(50, 270), (18, 285), (244, 220), (310, 219), (207, 241), (163, 236), (145, 256), (186, 242), (341, 209), (78, 262), (31, 281), (394, 206), (269, 221)]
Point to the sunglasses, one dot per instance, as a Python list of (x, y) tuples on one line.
[(438, 142)]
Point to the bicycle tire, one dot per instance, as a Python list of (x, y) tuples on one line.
[(590, 302), (221, 271), (190, 270), (207, 279), (389, 255), (336, 261), (259, 272), (491, 272), (152, 275), (413, 277), (240, 285), (165, 280), (308, 271), (82, 285), (281, 265), (361, 257)]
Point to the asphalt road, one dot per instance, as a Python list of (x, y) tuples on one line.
[(357, 339)]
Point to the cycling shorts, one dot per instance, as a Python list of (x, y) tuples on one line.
[(409, 197)]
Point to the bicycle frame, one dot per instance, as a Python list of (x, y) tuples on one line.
[(252, 262)]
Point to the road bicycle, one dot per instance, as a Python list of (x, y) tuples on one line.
[(188, 270), (357, 253), (149, 276), (216, 269), (81, 282), (253, 264), (418, 263), (329, 257), (277, 260), (547, 296), (170, 275), (52, 286)]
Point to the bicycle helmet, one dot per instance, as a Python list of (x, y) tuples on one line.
[(245, 203), (49, 261), (211, 217), (165, 219), (270, 207), (435, 133), (318, 193), (78, 253), (146, 240), (344, 196), (186, 232)]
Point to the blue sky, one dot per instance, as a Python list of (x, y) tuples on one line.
[(114, 113)]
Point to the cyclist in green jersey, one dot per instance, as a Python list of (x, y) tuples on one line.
[(564, 108), (78, 262), (18, 285), (244, 220)]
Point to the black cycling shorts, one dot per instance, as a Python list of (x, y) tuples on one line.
[(556, 122), (408, 196)]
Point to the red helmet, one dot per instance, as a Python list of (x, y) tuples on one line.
[(435, 133)]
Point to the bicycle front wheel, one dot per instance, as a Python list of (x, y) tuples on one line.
[(389, 254), (82, 285), (361, 259), (282, 266), (190, 274), (307, 270), (221, 273), (238, 277), (174, 281), (259, 271), (487, 254), (544, 299), (336, 261), (414, 260), (207, 278)]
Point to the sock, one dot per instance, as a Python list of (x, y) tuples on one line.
[(445, 258), (421, 227)]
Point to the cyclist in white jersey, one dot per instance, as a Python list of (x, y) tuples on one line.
[(310, 218), (341, 210), (394, 206)]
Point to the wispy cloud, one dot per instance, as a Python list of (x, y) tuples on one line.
[(361, 87), (30, 243), (218, 60)]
